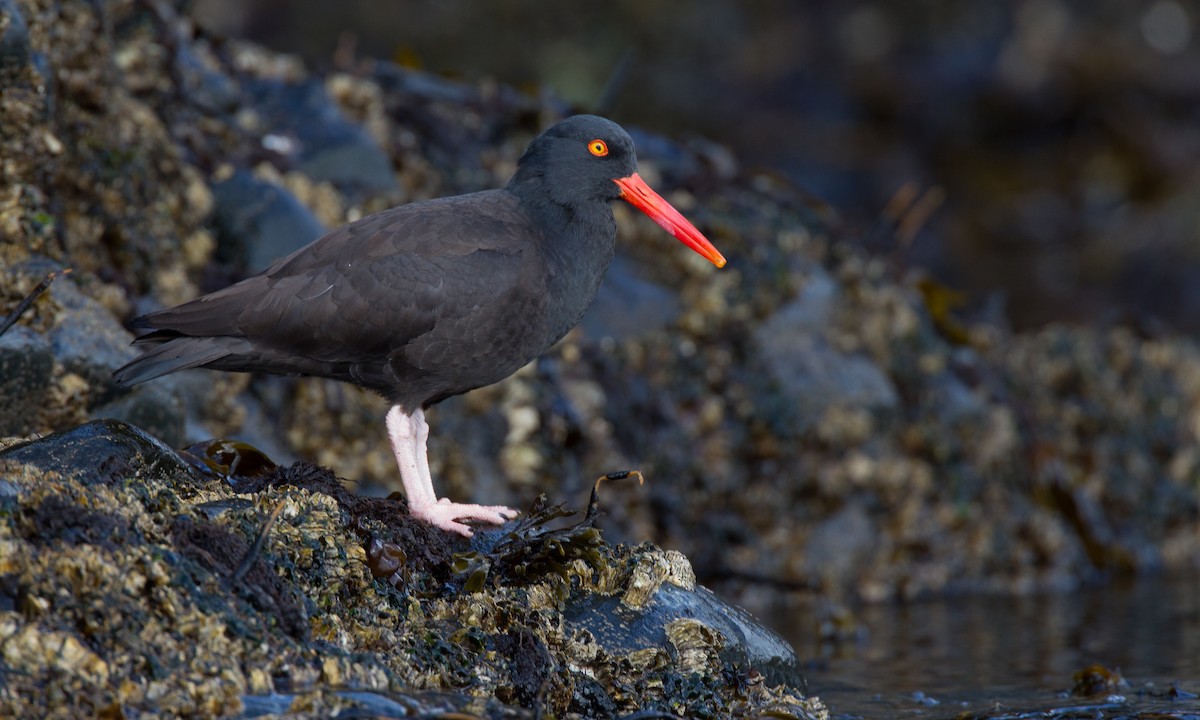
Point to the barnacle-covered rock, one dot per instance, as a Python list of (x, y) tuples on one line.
[(136, 579)]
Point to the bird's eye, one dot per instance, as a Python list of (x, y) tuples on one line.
[(598, 147)]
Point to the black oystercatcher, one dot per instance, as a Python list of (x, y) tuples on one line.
[(429, 300)]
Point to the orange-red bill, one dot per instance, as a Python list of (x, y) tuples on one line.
[(638, 194)]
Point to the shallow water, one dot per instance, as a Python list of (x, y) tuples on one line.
[(1003, 656)]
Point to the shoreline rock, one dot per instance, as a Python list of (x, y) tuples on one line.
[(134, 579)]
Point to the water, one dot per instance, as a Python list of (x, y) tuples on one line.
[(1002, 656)]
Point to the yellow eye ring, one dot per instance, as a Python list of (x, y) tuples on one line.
[(598, 147)]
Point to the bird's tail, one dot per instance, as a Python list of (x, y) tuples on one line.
[(172, 355)]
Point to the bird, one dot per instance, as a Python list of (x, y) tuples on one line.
[(431, 299)]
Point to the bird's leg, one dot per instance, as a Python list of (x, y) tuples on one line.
[(409, 435)]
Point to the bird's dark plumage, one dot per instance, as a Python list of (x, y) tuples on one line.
[(425, 301)]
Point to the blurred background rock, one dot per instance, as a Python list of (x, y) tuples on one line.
[(1041, 155)]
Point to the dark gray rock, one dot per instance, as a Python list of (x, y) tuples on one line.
[(839, 546), (628, 305), (88, 340), (101, 449), (671, 161), (258, 222), (151, 406), (814, 374), (361, 703), (952, 401), (26, 367), (811, 311), (354, 161), (419, 86), (14, 38), (176, 409), (436, 110), (207, 88), (262, 405), (312, 130), (663, 606), (48, 84), (817, 376)]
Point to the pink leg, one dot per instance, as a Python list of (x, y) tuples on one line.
[(409, 435)]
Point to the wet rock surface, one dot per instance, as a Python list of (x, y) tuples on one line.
[(137, 579)]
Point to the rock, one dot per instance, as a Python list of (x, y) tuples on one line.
[(327, 146), (953, 401), (667, 157), (161, 544), (664, 608), (695, 163), (358, 704), (259, 222), (86, 339), (813, 374), (99, 451), (152, 406), (41, 65), (816, 377), (14, 38), (457, 123), (26, 367), (840, 545), (629, 306), (92, 345), (211, 90), (420, 86), (811, 311)]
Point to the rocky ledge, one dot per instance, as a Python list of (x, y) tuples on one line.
[(137, 579)]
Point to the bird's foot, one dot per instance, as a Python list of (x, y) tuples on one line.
[(446, 515)]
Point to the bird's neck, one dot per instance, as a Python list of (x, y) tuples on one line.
[(577, 244)]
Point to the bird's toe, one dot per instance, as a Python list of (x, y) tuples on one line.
[(448, 515)]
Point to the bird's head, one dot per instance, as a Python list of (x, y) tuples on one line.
[(586, 159), (578, 159)]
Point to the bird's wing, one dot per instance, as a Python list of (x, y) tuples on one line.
[(370, 286)]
